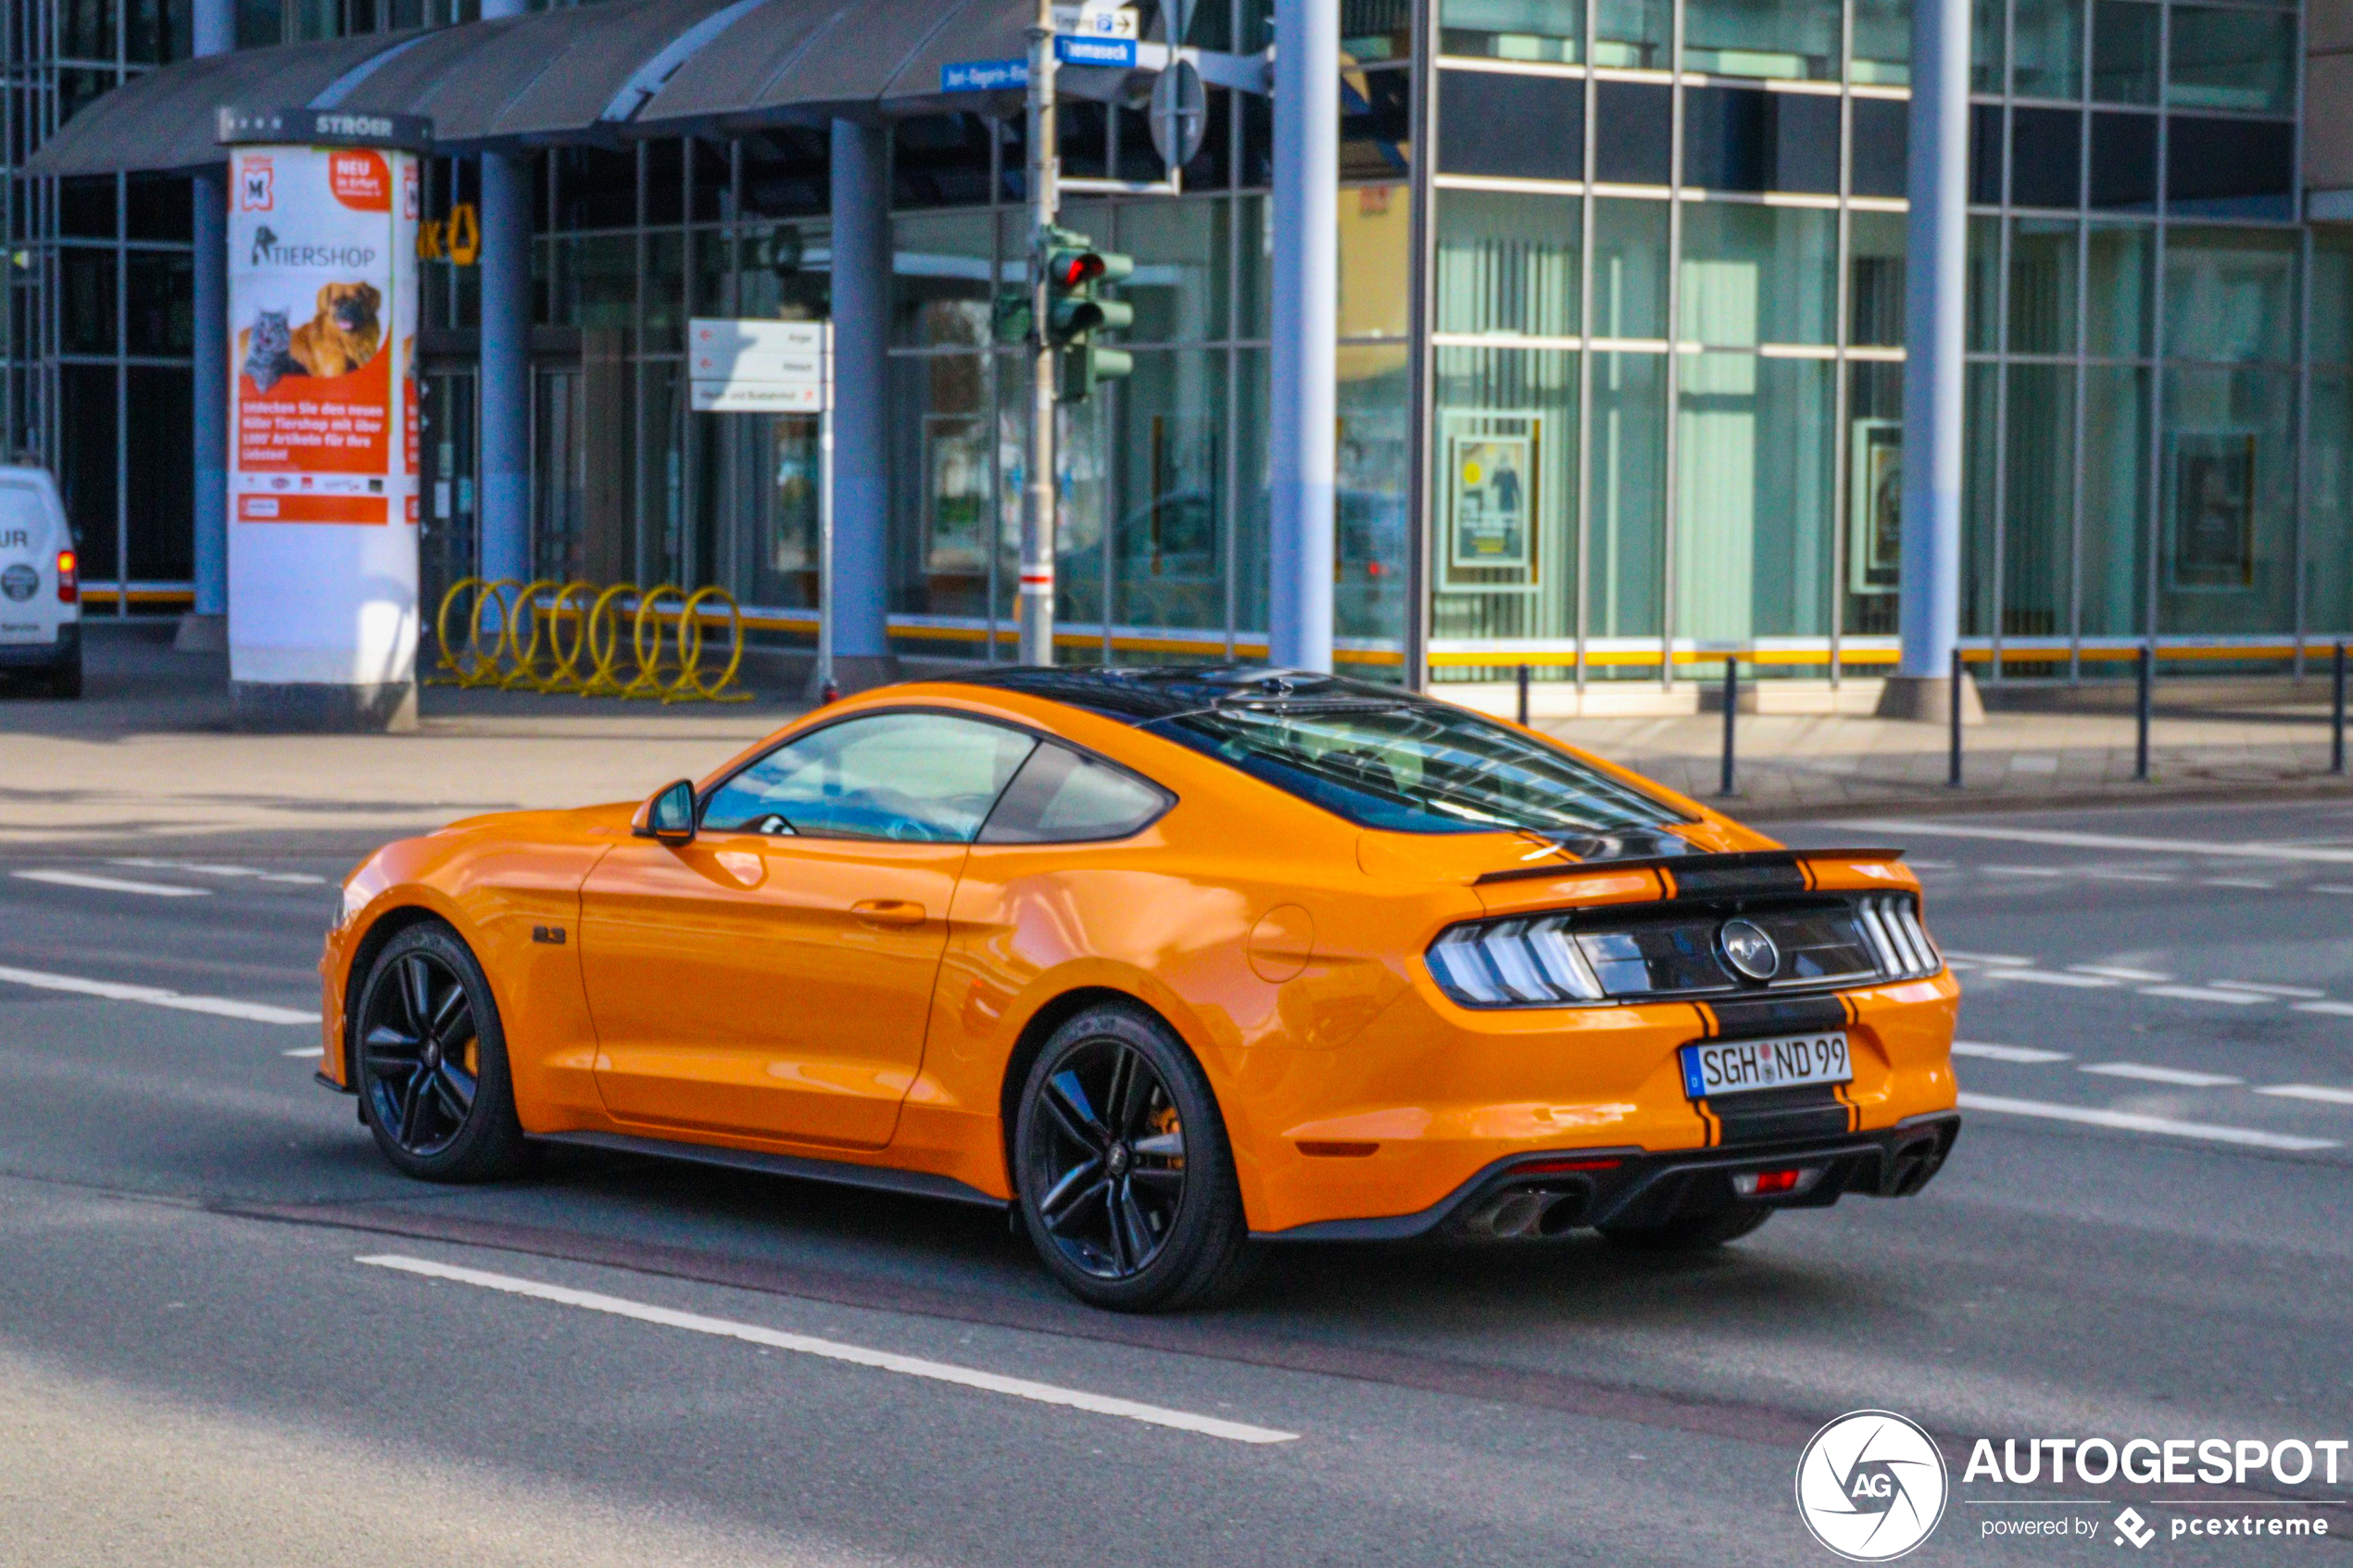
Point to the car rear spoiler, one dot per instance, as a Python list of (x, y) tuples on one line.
[(1744, 870)]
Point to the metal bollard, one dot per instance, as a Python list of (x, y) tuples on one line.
[(2336, 712), (1732, 710), (1953, 718), (1523, 693), (2141, 736)]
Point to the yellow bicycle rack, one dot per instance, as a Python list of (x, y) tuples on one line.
[(551, 636)]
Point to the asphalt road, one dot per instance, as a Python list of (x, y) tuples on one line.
[(229, 1334)]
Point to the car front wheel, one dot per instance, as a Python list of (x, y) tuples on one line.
[(1126, 1176), (430, 1062)]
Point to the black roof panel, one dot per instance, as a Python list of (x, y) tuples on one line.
[(1140, 695)]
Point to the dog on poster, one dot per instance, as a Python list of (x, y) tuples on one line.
[(343, 334)]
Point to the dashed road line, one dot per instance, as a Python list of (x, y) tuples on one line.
[(2264, 989), (2319, 1091), (157, 996), (1985, 957), (2025, 870), (2148, 1074), (2312, 854), (2205, 994), (2049, 977), (2133, 1121), (1992, 1052), (2334, 1009), (111, 883), (836, 1351), (208, 867), (2119, 972), (2237, 882)]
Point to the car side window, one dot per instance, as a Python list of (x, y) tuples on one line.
[(1062, 796), (919, 777)]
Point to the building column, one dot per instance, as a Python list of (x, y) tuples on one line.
[(1302, 461), (502, 387), (1936, 294), (503, 384), (213, 31), (862, 405)]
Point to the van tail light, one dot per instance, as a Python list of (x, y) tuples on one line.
[(69, 578)]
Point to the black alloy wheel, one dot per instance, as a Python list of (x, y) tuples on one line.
[(1126, 1179), (431, 1061)]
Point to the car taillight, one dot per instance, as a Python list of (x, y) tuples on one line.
[(1787, 1183), (1513, 962), (1892, 927), (69, 578)]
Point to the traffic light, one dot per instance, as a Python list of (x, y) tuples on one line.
[(1074, 272)]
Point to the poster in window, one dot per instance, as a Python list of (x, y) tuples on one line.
[(1493, 483), (1875, 506), (2212, 546), (956, 494)]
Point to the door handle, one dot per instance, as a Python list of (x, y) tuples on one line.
[(888, 912)]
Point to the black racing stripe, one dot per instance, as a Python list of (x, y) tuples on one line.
[(1750, 1018), (1710, 1026), (1808, 1111), (1714, 882)]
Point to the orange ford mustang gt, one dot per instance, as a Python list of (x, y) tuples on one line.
[(1171, 963)]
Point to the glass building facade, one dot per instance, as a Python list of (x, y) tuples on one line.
[(1621, 357)]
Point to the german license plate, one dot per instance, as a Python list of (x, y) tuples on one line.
[(1738, 1066)]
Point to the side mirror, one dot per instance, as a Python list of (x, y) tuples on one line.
[(668, 813)]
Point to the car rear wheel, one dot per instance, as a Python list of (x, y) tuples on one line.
[(1125, 1175), (1691, 1234), (430, 1061)]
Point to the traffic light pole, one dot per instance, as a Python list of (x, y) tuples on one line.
[(1037, 598)]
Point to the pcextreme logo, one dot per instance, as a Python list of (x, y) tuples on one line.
[(1871, 1486)]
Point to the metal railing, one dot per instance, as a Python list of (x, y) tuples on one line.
[(567, 638)]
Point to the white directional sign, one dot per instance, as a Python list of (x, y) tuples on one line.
[(757, 367), (1090, 19)]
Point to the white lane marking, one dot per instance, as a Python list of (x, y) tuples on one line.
[(157, 996), (2132, 1121), (2334, 1010), (307, 1052), (113, 885), (2148, 1074), (1992, 1052), (2118, 971), (2114, 841), (1931, 865), (2320, 1092), (835, 1350), (2205, 993), (2132, 876), (2026, 871), (2047, 977), (1985, 957), (207, 868), (2261, 989), (2328, 887), (2237, 882)]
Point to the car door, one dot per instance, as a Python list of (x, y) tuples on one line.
[(772, 975)]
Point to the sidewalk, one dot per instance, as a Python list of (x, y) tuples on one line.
[(147, 757), (1801, 766)]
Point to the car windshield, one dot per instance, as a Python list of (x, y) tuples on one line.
[(1416, 767)]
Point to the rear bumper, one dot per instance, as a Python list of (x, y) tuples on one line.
[(1536, 1196), (59, 650)]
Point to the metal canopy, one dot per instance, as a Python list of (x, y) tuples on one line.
[(582, 74)]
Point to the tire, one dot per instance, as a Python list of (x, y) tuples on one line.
[(430, 1062), (1694, 1234), (1125, 1172), (65, 680)]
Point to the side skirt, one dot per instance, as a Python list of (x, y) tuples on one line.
[(916, 1184)]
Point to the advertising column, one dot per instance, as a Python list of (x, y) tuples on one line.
[(322, 461)]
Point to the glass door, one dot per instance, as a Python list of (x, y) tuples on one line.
[(447, 539)]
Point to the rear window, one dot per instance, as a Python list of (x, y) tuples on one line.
[(22, 511), (1417, 768), (1061, 797)]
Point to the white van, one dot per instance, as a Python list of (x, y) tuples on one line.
[(40, 589)]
